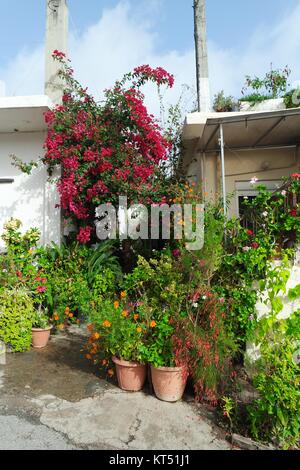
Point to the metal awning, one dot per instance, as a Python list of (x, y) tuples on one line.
[(244, 130)]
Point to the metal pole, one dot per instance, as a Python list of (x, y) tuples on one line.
[(223, 168)]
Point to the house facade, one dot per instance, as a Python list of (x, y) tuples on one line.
[(31, 198), (225, 151)]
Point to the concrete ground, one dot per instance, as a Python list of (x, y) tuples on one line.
[(54, 399)]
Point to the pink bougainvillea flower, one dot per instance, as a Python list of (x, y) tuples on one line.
[(84, 235)]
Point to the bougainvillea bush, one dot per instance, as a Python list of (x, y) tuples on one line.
[(108, 149)]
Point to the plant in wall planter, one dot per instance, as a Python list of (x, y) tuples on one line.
[(41, 329), (118, 331)]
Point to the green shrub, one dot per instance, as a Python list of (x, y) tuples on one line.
[(276, 414), (292, 98), (16, 314)]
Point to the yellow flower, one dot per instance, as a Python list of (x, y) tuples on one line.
[(153, 324), (139, 329), (106, 324), (125, 313), (123, 295), (96, 336), (116, 304)]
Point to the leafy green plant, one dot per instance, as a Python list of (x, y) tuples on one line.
[(16, 316), (40, 319), (224, 103), (118, 330), (276, 413), (273, 85), (292, 98)]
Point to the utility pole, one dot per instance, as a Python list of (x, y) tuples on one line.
[(57, 23), (203, 92)]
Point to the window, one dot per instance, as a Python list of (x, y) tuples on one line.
[(247, 191)]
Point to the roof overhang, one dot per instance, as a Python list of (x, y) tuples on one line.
[(244, 130), (23, 113)]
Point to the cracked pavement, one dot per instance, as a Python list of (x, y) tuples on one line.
[(54, 399)]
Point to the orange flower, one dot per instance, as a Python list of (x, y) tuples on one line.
[(61, 326), (90, 327), (135, 317), (125, 313), (96, 336), (116, 304), (110, 372), (139, 329), (106, 324), (88, 356), (93, 351), (67, 311), (123, 295), (71, 315), (153, 324), (55, 317)]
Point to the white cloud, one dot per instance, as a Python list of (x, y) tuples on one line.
[(124, 37)]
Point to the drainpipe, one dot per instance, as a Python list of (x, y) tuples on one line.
[(222, 153)]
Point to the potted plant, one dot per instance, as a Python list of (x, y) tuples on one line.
[(119, 332), (41, 329), (160, 287), (168, 379)]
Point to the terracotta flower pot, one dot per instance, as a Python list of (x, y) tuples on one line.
[(40, 337), (131, 375), (168, 382)]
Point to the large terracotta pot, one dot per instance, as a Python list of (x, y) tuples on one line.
[(131, 375), (40, 337), (168, 382)]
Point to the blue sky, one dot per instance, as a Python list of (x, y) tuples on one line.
[(173, 23), (244, 37)]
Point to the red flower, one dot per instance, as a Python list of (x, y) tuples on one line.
[(294, 212), (296, 175), (255, 245), (176, 253), (250, 233), (41, 289)]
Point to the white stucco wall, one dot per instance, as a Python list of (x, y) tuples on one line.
[(29, 198)]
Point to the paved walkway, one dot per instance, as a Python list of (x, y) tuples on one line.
[(54, 399)]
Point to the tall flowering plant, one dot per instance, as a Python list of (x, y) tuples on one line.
[(105, 149)]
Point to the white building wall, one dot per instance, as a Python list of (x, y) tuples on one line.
[(29, 198)]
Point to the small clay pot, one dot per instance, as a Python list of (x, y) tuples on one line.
[(131, 375), (40, 337), (168, 382)]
